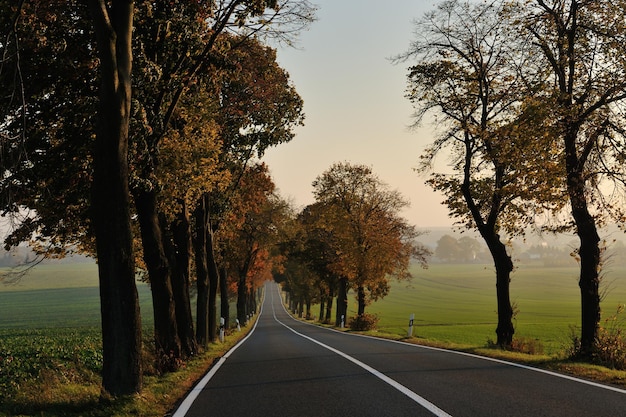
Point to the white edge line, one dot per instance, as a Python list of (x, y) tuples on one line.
[(472, 355), (184, 407), (406, 391)]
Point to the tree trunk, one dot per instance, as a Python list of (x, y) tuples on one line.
[(224, 303), (110, 203), (589, 252), (166, 339), (251, 303), (329, 304), (342, 301), (589, 284), (242, 293), (361, 300), (504, 266), (308, 308), (202, 272), (214, 277), (502, 261), (181, 233)]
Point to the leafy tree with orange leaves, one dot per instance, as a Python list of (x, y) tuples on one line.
[(251, 232), (258, 108), (372, 240)]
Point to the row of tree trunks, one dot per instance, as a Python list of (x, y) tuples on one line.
[(180, 254), (167, 254), (167, 342), (297, 305), (210, 276), (167, 258), (207, 274), (202, 272), (342, 301)]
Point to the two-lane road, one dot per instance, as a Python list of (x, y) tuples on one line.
[(289, 368)]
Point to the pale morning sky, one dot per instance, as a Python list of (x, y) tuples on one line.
[(354, 103)]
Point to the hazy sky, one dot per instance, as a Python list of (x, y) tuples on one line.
[(354, 103)]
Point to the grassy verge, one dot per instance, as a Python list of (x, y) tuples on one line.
[(555, 363)]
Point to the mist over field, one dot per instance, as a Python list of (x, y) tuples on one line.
[(454, 245)]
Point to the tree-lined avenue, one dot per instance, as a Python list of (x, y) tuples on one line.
[(290, 368)]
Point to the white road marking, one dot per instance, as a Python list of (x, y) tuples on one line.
[(184, 407), (182, 410), (412, 395), (485, 358)]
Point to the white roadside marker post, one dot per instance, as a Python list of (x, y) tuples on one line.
[(411, 324), (222, 322)]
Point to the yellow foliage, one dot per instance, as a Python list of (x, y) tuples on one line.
[(189, 163)]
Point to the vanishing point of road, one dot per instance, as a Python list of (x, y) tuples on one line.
[(286, 367)]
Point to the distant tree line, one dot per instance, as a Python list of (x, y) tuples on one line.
[(449, 249), (463, 250)]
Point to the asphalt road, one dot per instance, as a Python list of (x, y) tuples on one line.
[(289, 368)]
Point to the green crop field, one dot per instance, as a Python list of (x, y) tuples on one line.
[(457, 304), (58, 295)]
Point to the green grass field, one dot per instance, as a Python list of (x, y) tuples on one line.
[(451, 303), (457, 304), (59, 295)]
